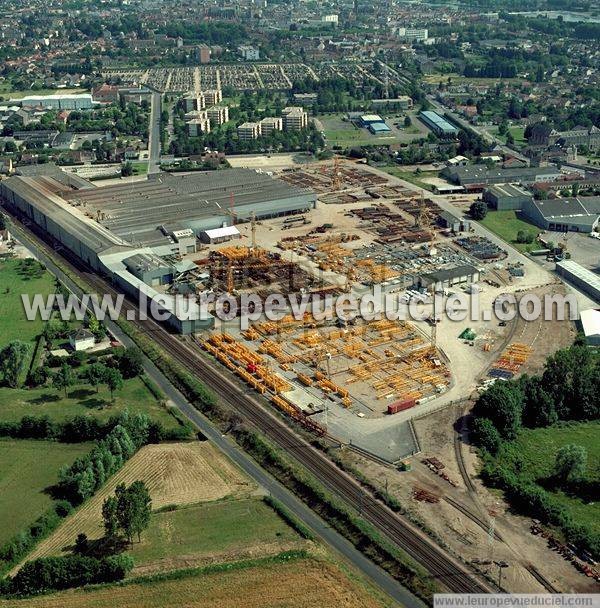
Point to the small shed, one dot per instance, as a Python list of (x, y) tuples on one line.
[(220, 235)]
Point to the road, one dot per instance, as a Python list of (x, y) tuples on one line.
[(446, 569), (333, 539), (154, 134)]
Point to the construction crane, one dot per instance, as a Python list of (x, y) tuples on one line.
[(253, 230), (231, 211), (230, 285), (336, 182), (423, 217)]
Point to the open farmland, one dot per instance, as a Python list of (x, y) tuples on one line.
[(176, 474), (27, 469), (295, 584)]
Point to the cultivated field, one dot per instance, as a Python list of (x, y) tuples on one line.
[(27, 469), (176, 474), (297, 584)]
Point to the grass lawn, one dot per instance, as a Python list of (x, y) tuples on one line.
[(27, 468), (81, 400), (410, 176), (211, 528), (538, 448), (15, 280), (343, 133), (518, 134), (506, 224), (140, 167)]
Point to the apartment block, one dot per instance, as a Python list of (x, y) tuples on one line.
[(213, 97), (294, 118), (198, 126), (249, 130), (270, 124), (218, 115), (193, 102)]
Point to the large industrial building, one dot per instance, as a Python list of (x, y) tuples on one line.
[(58, 102), (481, 176), (126, 232), (438, 124), (564, 214), (507, 197), (584, 279)]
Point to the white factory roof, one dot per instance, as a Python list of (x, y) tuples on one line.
[(219, 233), (590, 321)]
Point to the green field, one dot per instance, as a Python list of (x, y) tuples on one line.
[(343, 133), (27, 469), (82, 400), (140, 167), (14, 281), (209, 529), (518, 134), (411, 176), (506, 224), (538, 448)]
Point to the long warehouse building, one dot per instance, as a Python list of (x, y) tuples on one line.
[(123, 231)]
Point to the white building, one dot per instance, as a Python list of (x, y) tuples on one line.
[(218, 115), (193, 102), (590, 323), (270, 124), (82, 339), (198, 126), (220, 235), (249, 130), (58, 102), (212, 96), (413, 33), (249, 53)]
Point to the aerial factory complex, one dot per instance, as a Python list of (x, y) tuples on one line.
[(300, 302)]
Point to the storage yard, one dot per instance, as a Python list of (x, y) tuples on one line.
[(305, 367), (328, 228)]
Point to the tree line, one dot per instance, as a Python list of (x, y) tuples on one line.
[(568, 391)]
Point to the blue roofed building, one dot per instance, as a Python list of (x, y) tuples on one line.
[(438, 124)]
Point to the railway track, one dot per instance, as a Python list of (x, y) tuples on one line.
[(474, 518), (447, 570), (540, 578), (461, 461)]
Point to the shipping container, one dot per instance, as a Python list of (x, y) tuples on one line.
[(400, 406)]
